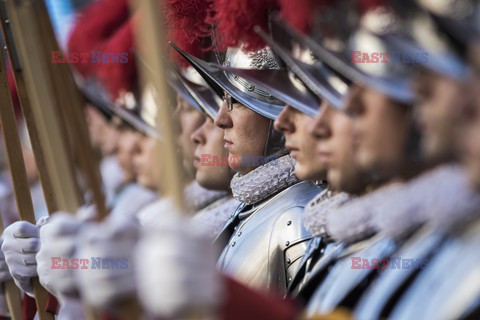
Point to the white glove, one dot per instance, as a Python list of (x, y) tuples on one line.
[(4, 272), (58, 238), (20, 245), (176, 270), (109, 247)]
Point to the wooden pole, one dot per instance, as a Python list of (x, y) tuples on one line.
[(19, 178), (27, 110), (70, 105), (151, 40)]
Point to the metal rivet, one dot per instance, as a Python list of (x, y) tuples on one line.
[(289, 222), (7, 21), (289, 261), (271, 97), (240, 233), (233, 244), (290, 279), (251, 88), (235, 77), (287, 243), (236, 227)]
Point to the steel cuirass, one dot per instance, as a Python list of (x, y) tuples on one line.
[(268, 240)]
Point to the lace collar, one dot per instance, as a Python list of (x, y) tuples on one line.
[(264, 181)]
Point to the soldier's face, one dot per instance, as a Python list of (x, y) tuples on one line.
[(146, 163), (245, 134), (190, 120), (380, 132), (128, 146), (440, 105), (294, 125), (334, 129), (211, 158)]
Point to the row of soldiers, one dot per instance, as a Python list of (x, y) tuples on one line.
[(331, 157)]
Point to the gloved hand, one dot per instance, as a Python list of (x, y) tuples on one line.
[(109, 247), (4, 272), (58, 238), (176, 270), (20, 245)]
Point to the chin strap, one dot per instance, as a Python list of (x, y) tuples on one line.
[(275, 144)]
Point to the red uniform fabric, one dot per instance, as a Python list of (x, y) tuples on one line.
[(244, 303), (29, 308), (52, 304)]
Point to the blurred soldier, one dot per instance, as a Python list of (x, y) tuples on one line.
[(450, 206)]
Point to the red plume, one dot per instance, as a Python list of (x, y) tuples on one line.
[(300, 13), (119, 77), (235, 20), (97, 23), (187, 27)]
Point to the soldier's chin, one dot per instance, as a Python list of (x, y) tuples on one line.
[(234, 161)]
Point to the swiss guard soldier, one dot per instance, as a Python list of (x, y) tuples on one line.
[(272, 196), (448, 202)]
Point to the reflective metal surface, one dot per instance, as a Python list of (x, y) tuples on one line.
[(266, 247)]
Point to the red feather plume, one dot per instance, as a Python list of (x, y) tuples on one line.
[(188, 27), (300, 14), (96, 24), (119, 77), (235, 20)]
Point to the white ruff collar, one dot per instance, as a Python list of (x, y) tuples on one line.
[(441, 197), (355, 220), (314, 218), (197, 197), (264, 181)]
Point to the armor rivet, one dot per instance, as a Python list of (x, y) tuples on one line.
[(289, 261), (271, 97), (233, 244), (287, 243), (290, 279), (240, 233), (236, 227), (251, 88), (7, 21), (289, 222)]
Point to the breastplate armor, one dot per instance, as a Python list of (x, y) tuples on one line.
[(382, 294), (449, 287), (342, 280), (264, 250)]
